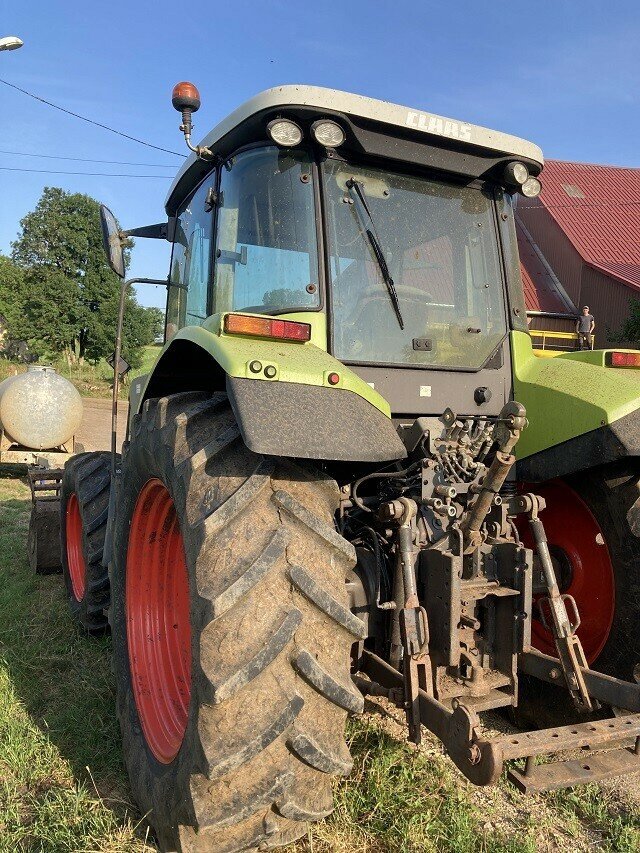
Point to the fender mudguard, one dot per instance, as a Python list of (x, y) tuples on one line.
[(312, 422), (581, 412), (289, 398)]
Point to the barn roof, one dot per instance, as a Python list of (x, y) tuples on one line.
[(542, 290), (598, 208)]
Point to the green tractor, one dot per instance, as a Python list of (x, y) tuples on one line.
[(348, 473)]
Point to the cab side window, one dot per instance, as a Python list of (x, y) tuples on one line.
[(188, 299), (266, 252)]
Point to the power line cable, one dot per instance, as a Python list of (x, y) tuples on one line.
[(90, 120), (91, 174), (86, 160)]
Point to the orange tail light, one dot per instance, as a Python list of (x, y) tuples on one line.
[(622, 359), (267, 327)]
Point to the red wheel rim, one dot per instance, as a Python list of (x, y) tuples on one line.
[(158, 621), (75, 557), (574, 533)]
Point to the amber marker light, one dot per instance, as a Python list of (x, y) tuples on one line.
[(267, 327), (185, 96), (622, 359)]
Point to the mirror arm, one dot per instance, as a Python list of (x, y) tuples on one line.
[(155, 232), (124, 283), (164, 282)]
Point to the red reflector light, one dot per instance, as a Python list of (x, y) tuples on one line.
[(623, 359), (333, 378), (265, 327)]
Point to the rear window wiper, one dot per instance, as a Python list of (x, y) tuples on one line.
[(355, 190)]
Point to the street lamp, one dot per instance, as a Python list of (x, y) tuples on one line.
[(10, 43)]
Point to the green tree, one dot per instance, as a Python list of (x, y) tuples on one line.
[(12, 294), (630, 332), (142, 326), (155, 318), (71, 294)]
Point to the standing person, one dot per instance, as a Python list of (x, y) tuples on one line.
[(584, 327)]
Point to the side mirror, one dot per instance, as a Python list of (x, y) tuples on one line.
[(112, 241)]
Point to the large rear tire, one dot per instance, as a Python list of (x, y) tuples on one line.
[(612, 493), (583, 563), (592, 522), (231, 631), (84, 506)]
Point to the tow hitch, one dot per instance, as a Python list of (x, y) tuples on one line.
[(482, 759), (460, 620)]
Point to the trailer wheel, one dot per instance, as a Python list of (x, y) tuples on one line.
[(84, 504), (231, 631), (593, 527)]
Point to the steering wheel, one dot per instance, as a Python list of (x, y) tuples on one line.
[(413, 301), (406, 294)]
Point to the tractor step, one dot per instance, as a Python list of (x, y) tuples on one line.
[(564, 774), (589, 767)]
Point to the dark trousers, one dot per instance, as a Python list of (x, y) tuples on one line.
[(584, 340)]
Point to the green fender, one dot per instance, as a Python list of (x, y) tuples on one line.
[(581, 412), (292, 409)]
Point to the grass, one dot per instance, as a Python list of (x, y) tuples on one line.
[(62, 783), (91, 380), (63, 786), (400, 799)]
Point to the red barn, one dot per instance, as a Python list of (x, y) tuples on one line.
[(580, 245)]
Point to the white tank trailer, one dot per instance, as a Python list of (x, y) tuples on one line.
[(39, 410)]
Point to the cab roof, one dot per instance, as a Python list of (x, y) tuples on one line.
[(378, 128)]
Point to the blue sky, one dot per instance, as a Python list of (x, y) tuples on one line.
[(564, 74)]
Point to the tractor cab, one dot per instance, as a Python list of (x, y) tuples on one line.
[(390, 230)]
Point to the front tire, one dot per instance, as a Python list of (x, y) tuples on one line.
[(232, 736), (84, 506)]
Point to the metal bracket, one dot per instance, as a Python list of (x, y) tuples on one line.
[(480, 760), (418, 674), (570, 652), (574, 623)]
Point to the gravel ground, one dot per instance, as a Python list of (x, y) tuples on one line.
[(95, 429)]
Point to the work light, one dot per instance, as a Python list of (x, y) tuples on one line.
[(284, 132), (516, 173), (328, 133), (531, 188)]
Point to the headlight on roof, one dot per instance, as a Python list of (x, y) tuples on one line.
[(531, 188), (328, 133), (516, 174), (284, 132)]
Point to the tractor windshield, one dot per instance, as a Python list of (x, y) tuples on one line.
[(441, 247)]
